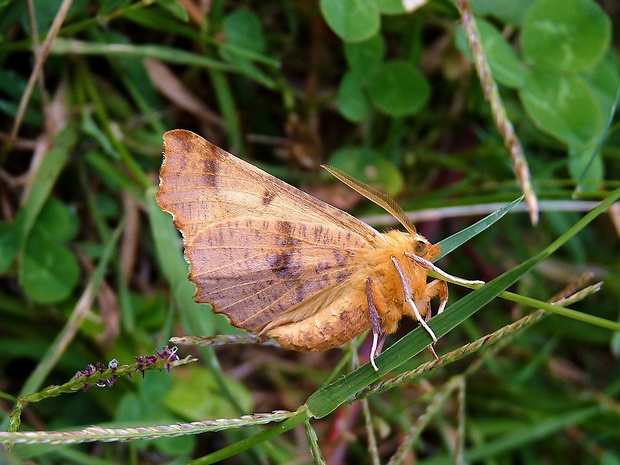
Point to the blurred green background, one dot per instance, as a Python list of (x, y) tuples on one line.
[(92, 270)]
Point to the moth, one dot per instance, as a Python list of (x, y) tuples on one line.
[(280, 263)]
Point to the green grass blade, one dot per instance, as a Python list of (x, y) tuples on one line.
[(66, 335), (196, 318), (45, 177), (562, 311), (314, 444), (458, 239), (110, 174), (298, 418), (520, 437), (326, 400), (228, 109), (64, 46)]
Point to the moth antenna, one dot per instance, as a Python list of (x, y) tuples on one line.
[(448, 277), (374, 195), (409, 300)]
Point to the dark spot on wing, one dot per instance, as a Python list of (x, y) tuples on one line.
[(211, 170), (186, 144), (341, 276), (321, 267), (285, 228), (285, 238), (341, 257), (268, 197), (284, 264)]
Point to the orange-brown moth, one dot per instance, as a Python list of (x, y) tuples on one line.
[(280, 263)]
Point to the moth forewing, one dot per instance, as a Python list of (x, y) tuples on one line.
[(201, 184)]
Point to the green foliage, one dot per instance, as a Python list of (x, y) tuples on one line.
[(563, 50), (368, 166), (149, 405), (353, 21), (9, 243), (565, 36), (395, 87), (49, 271), (398, 89), (92, 269), (505, 64), (193, 404)]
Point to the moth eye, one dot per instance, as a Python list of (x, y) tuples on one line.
[(421, 247)]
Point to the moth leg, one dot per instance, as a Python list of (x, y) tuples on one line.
[(448, 277), (409, 300), (434, 288), (378, 335), (433, 353), (439, 288)]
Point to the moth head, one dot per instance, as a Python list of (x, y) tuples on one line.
[(421, 246)]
